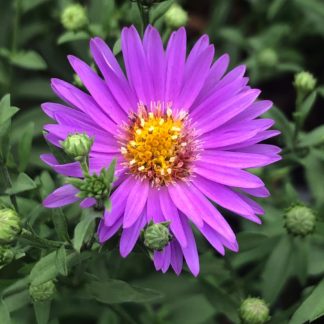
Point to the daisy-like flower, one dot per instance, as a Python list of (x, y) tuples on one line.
[(183, 132)]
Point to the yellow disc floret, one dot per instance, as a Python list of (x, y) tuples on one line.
[(159, 146)]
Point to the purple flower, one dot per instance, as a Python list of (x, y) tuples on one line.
[(183, 132)]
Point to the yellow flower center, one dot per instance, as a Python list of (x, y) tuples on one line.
[(158, 145)]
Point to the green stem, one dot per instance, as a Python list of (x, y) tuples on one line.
[(39, 242), (145, 14), (298, 125), (85, 167), (7, 182)]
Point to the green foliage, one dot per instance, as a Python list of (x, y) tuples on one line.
[(276, 39)]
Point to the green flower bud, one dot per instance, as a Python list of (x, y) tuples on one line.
[(176, 17), (157, 236), (268, 57), (300, 221), (10, 225), (6, 255), (254, 311), (305, 82), (43, 292), (74, 17), (77, 145)]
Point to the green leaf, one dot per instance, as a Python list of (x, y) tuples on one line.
[(42, 312), (275, 7), (61, 261), (27, 5), (117, 47), (312, 308), (72, 37), (4, 313), (282, 123), (28, 60), (46, 269), (160, 9), (24, 147), (81, 230), (21, 184), (117, 291), (306, 107), (60, 224), (6, 110), (314, 137), (276, 270)]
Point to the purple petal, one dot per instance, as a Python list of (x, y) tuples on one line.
[(171, 214), (156, 60), (84, 102), (70, 169), (184, 200), (195, 79), (106, 232), (88, 202), (130, 235), (176, 257), (190, 252), (118, 202), (136, 65), (136, 201), (62, 196), (261, 192), (228, 176), (154, 211), (176, 55), (166, 258), (222, 196), (98, 90), (213, 238)]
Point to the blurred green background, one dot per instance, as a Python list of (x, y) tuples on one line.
[(275, 39)]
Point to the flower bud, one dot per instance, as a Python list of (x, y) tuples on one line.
[(305, 82), (74, 17), (176, 17), (43, 292), (268, 57), (10, 225), (77, 145), (300, 221), (6, 255), (254, 311), (157, 236)]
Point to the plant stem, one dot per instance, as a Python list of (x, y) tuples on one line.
[(40, 242), (145, 14)]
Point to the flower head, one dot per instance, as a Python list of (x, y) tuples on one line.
[(157, 236), (43, 292), (183, 133), (77, 145), (74, 17), (176, 16), (10, 225), (300, 220), (305, 82), (7, 254), (254, 311)]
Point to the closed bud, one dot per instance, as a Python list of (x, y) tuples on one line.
[(305, 82), (6, 255), (10, 225), (268, 57), (176, 17), (157, 236), (300, 221), (77, 145), (254, 311), (74, 17), (43, 292)]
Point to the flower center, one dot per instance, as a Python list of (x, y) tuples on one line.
[(159, 145)]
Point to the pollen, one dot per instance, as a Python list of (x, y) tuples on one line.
[(159, 145)]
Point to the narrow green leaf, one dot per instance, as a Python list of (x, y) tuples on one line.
[(72, 37), (28, 60), (312, 308), (60, 224), (117, 47), (21, 184), (42, 312), (116, 292), (27, 5), (6, 110), (314, 137), (306, 107), (276, 270), (24, 147), (81, 230), (4, 313), (61, 261)]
